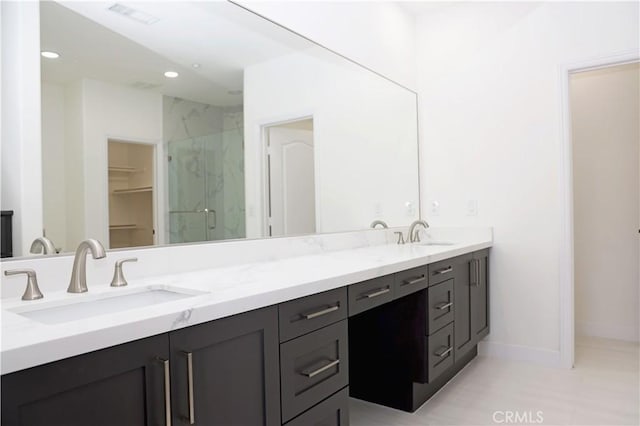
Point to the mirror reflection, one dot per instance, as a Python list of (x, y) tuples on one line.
[(175, 123)]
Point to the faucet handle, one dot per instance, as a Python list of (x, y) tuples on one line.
[(32, 292), (118, 276), (400, 237)]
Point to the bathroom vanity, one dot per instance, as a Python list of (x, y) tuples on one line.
[(392, 334)]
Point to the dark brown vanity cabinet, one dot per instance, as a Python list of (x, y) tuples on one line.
[(121, 385), (418, 341), (333, 411), (394, 340), (223, 372), (480, 295), (314, 359), (471, 290)]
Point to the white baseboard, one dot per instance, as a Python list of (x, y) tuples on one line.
[(538, 356), (591, 329)]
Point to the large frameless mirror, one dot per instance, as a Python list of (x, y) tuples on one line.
[(179, 122)]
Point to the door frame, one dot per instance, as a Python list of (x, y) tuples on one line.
[(158, 195), (566, 252), (264, 175)]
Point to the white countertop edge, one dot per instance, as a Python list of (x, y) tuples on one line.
[(30, 354)]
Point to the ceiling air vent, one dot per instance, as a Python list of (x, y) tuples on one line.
[(136, 15), (143, 85)]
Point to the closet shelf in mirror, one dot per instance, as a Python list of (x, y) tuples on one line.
[(131, 190), (122, 227), (124, 169)]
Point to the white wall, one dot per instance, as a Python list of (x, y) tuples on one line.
[(364, 139), (491, 129), (74, 165), (78, 118), (54, 185), (118, 112), (378, 35), (605, 113), (21, 153)]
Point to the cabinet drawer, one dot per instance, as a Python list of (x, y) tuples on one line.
[(440, 307), (439, 351), (306, 314), (441, 271), (369, 294), (410, 281), (333, 411), (313, 367)]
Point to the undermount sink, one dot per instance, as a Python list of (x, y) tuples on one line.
[(88, 305), (435, 243)]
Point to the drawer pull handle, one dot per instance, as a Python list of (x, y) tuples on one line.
[(443, 305), (321, 312), (376, 293), (167, 391), (414, 281), (443, 271), (443, 352), (317, 371), (191, 417)]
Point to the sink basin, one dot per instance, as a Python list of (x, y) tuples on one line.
[(103, 304), (435, 243)]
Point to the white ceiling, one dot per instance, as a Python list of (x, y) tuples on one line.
[(426, 6), (100, 44)]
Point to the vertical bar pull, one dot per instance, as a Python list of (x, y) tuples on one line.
[(192, 416), (472, 271), (167, 391)]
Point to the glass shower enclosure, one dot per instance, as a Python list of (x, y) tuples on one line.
[(206, 188)]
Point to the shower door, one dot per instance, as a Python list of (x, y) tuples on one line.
[(195, 189)]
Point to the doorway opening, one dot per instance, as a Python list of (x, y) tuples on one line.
[(290, 195), (132, 189), (605, 129)]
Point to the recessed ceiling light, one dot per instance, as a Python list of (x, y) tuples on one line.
[(171, 74), (196, 65), (49, 55)]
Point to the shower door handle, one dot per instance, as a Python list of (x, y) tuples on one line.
[(215, 218)]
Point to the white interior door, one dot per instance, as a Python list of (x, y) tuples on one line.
[(291, 196)]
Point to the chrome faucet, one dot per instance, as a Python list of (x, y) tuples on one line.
[(413, 232), (78, 282), (42, 245), (378, 222)]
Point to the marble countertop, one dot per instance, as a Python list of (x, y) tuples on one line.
[(219, 292)]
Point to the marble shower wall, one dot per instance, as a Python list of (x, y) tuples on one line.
[(205, 173)]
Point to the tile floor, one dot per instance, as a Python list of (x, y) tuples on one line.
[(602, 389)]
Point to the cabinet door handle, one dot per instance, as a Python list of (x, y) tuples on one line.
[(192, 416), (472, 271), (443, 305), (443, 270), (443, 352), (478, 280), (167, 390), (321, 312), (377, 292), (414, 281), (321, 369)]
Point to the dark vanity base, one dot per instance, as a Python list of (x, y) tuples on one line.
[(422, 392), (388, 357)]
